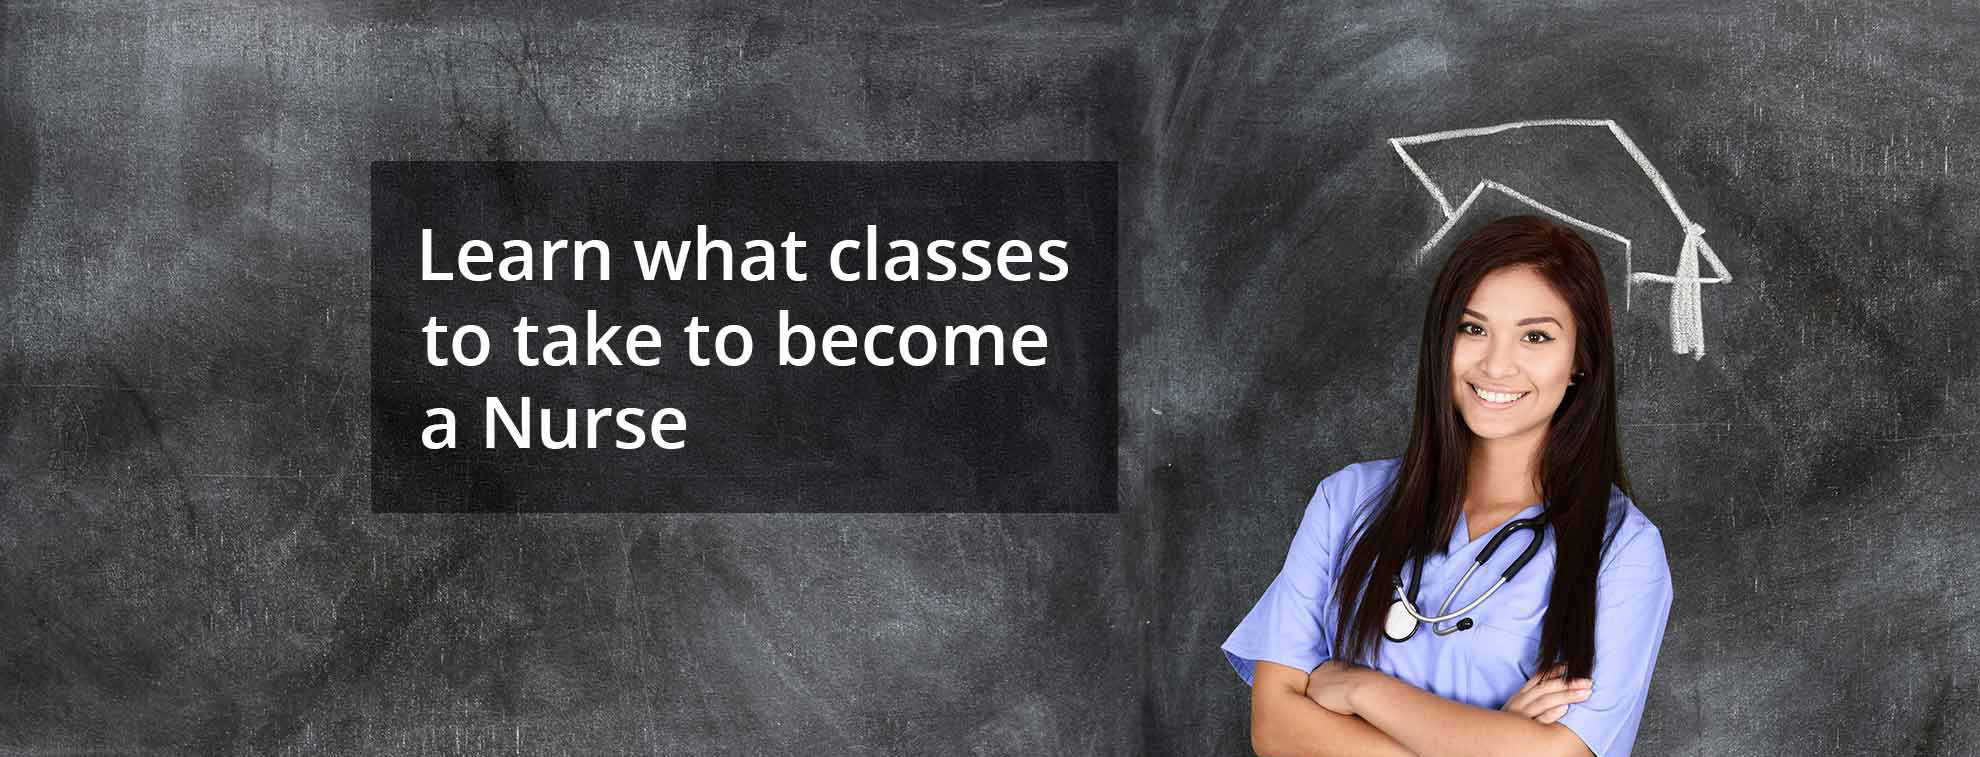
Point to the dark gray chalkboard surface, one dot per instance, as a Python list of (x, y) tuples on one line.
[(188, 563), (1813, 473)]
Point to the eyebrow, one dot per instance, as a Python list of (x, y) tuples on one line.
[(1522, 321)]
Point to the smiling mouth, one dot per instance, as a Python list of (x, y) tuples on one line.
[(1497, 398)]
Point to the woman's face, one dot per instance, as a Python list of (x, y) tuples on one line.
[(1513, 355)]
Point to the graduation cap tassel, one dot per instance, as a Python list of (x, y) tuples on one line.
[(1687, 310)]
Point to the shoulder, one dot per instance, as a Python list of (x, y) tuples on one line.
[(1353, 491), (1357, 481), (1342, 501), (1634, 545)]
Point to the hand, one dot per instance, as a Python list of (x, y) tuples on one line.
[(1546, 695), (1328, 685)]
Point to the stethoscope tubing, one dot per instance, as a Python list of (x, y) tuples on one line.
[(1462, 611), (1537, 524)]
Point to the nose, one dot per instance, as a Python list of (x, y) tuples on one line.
[(1498, 360)]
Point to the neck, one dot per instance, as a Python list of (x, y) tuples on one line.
[(1504, 473)]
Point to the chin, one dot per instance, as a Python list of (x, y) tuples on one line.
[(1495, 424), (1500, 430)]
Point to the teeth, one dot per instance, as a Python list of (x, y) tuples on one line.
[(1497, 398)]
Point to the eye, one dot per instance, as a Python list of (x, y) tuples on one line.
[(1471, 329), (1537, 337)]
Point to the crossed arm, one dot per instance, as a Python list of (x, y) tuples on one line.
[(1344, 710)]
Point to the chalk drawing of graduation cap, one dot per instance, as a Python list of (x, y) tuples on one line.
[(1585, 173)]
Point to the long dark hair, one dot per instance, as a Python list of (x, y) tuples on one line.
[(1580, 460)]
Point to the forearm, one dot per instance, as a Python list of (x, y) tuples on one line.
[(1284, 723), (1433, 726)]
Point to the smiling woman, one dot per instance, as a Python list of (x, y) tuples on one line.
[(1512, 359), (1514, 430)]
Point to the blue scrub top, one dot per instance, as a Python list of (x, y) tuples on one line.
[(1293, 624)]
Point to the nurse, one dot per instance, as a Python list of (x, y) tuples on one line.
[(1515, 418)]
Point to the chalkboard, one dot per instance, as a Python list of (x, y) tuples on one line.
[(189, 562), (1811, 469)]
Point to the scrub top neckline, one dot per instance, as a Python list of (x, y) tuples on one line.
[(1461, 536)]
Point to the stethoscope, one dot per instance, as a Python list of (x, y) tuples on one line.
[(1403, 615)]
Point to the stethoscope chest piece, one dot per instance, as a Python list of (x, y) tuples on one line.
[(1400, 625)]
